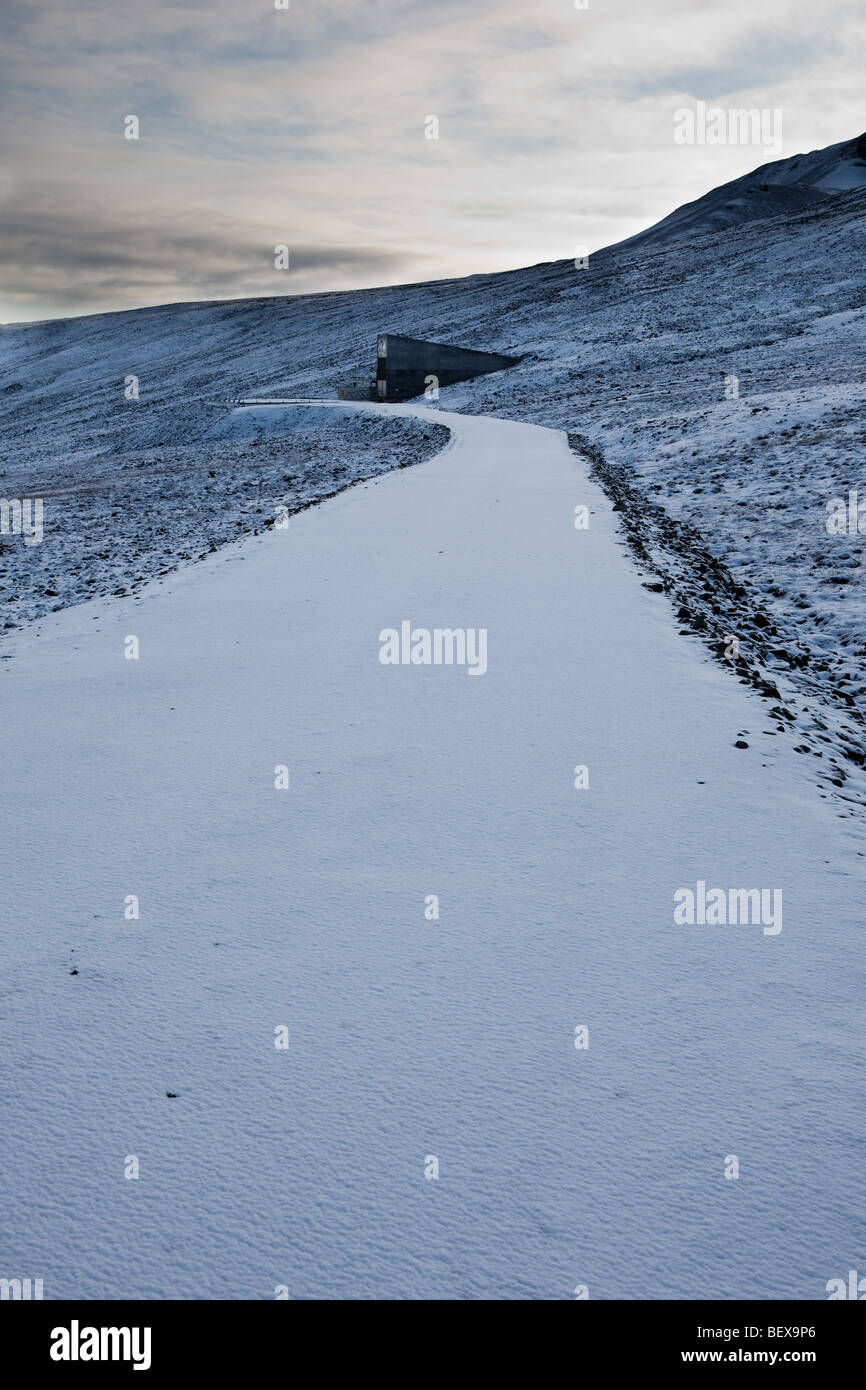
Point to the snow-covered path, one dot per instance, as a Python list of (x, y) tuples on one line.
[(409, 1037)]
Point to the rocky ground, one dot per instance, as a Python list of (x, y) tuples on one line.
[(164, 493)]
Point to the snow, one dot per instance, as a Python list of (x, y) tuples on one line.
[(782, 187), (453, 1037), (633, 353), (412, 1038), (851, 174), (117, 517), (257, 422)]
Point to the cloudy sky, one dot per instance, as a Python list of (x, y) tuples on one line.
[(307, 127)]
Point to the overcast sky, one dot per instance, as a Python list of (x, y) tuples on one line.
[(306, 127)]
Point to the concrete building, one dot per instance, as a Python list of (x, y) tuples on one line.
[(406, 367)]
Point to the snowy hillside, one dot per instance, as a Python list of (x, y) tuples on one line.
[(335, 976), (782, 187), (641, 354), (178, 488)]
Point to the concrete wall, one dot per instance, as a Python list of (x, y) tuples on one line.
[(404, 364), (360, 389)]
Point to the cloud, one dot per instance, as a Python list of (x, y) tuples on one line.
[(764, 59), (307, 127), (68, 261)]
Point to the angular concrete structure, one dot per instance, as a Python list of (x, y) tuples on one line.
[(406, 367)]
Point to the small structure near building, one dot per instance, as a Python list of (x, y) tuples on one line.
[(407, 367), (363, 388)]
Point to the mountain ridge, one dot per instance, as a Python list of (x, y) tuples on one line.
[(791, 185)]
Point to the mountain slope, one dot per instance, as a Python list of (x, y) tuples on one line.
[(782, 187), (724, 376)]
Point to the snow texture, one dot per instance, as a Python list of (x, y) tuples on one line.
[(412, 1038), (169, 491), (261, 908), (635, 353)]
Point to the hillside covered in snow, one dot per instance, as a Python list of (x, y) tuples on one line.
[(717, 375), (333, 971), (783, 186)]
